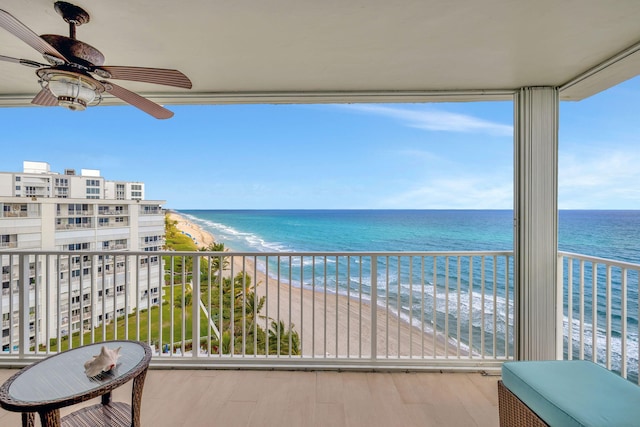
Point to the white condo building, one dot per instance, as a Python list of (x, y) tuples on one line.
[(81, 214)]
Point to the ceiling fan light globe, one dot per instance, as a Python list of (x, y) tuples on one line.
[(72, 93), (73, 104)]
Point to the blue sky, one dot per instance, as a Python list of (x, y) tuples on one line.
[(366, 156)]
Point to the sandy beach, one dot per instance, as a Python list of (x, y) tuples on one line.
[(202, 238), (329, 324)]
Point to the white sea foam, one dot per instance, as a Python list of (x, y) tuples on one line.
[(231, 234)]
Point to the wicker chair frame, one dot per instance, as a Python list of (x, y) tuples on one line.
[(513, 412)]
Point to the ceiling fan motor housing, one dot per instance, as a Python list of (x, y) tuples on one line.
[(75, 51)]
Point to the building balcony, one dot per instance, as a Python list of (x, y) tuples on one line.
[(74, 226), (264, 320), (121, 212), (286, 398), (448, 310)]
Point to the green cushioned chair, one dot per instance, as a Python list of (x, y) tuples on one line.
[(566, 393)]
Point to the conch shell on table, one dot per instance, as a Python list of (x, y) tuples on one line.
[(103, 362)]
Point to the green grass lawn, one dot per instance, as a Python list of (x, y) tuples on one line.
[(148, 320)]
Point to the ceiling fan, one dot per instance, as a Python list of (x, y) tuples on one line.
[(73, 77)]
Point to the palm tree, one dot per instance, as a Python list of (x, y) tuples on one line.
[(283, 340)]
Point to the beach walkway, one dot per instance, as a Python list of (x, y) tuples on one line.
[(246, 398)]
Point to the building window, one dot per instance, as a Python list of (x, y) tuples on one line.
[(18, 178), (78, 246), (8, 240)]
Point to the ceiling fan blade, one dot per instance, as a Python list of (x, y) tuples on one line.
[(159, 76), (27, 62), (21, 31), (138, 101), (45, 98)]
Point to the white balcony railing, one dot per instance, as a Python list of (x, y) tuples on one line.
[(426, 310), (599, 312), (360, 310)]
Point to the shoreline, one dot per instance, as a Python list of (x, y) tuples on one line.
[(201, 238), (329, 322)]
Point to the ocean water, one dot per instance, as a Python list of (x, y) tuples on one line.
[(604, 234)]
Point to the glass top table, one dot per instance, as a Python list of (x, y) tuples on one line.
[(59, 381)]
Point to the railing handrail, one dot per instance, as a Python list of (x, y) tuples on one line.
[(599, 260)]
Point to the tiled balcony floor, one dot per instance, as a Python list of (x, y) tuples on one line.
[(296, 398)]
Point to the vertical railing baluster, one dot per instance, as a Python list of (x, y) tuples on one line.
[(36, 323), (172, 300), (232, 307), (374, 307), (337, 309), (126, 289), (623, 319), (348, 285), (244, 306), (446, 306), (608, 320), (422, 307), (221, 307), (471, 306), (324, 280), (398, 304), (137, 293), (482, 302), (59, 302), (255, 305), (458, 305), (195, 307), (495, 307), (581, 354), (183, 306), (313, 306), (266, 298), (290, 276), (47, 279), (148, 258), (160, 305), (302, 305), (410, 307), (570, 310), (434, 320), (506, 320), (594, 312), (360, 307), (386, 309), (23, 302)]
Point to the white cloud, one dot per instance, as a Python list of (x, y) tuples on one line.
[(456, 193), (436, 120), (607, 179)]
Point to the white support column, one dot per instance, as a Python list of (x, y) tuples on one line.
[(536, 221)]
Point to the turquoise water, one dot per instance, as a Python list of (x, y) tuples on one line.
[(605, 234)]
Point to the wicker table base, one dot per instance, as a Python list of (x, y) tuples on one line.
[(513, 412), (115, 414), (59, 381)]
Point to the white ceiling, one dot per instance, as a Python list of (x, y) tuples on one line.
[(345, 51)]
